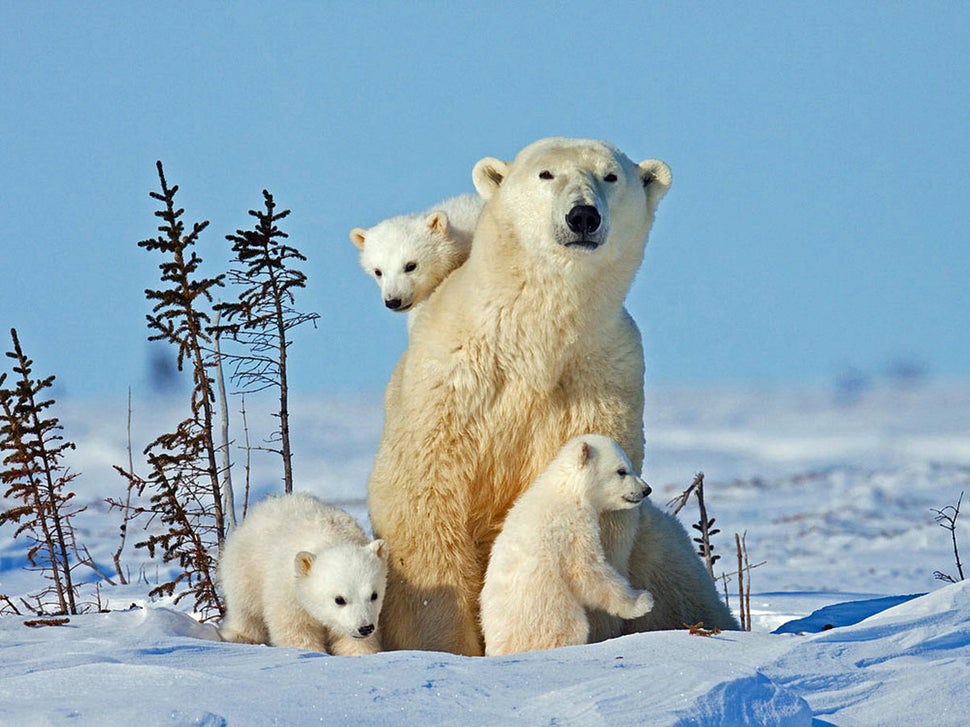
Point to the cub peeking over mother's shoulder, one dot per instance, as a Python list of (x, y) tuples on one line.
[(548, 565), (300, 573), (409, 255)]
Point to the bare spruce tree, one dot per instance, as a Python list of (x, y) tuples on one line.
[(33, 474), (184, 474), (704, 526), (264, 313)]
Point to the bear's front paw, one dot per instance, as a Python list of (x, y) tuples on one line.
[(643, 604)]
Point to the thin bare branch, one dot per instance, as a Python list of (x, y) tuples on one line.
[(947, 519)]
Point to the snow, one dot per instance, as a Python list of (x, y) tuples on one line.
[(849, 624)]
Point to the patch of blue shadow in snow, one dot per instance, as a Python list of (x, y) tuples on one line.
[(755, 700), (842, 614), (202, 719)]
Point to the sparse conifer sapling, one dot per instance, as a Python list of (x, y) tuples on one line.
[(705, 526), (180, 318), (33, 473), (184, 474), (264, 314), (705, 549)]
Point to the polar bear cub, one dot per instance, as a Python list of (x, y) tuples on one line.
[(300, 573), (409, 255), (547, 565)]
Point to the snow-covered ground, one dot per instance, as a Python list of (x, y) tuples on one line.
[(835, 494)]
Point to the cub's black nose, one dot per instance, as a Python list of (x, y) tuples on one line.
[(583, 219), (646, 490), (393, 303), (366, 630)]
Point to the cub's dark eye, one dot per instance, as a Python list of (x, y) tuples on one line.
[(611, 177), (410, 267), (622, 472), (340, 601), (373, 596), (377, 272), (545, 174)]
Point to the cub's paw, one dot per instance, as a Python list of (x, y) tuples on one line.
[(643, 604)]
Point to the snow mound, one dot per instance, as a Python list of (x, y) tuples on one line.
[(906, 664), (158, 666)]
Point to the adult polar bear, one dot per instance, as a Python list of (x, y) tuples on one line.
[(522, 348)]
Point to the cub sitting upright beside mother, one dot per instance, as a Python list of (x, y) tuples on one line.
[(547, 565)]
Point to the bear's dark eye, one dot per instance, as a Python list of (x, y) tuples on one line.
[(377, 272), (622, 472), (410, 267), (545, 174), (373, 596), (611, 177), (340, 601)]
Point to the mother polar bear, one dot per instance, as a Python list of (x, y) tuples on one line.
[(522, 348)]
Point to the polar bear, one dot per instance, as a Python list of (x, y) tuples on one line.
[(409, 255), (300, 573), (547, 565), (664, 562), (522, 348)]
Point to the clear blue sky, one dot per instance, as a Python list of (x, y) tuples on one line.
[(818, 218)]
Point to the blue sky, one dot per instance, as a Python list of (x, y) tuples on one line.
[(817, 220)]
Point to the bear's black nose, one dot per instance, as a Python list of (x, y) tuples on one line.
[(583, 219), (393, 303), (646, 490), (366, 630)]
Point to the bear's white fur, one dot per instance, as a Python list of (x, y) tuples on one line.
[(665, 563), (300, 573), (409, 255), (547, 565), (522, 348)]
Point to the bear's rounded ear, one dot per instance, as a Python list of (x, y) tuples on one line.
[(303, 562), (438, 222), (585, 455), (379, 548), (357, 236), (487, 175), (655, 177)]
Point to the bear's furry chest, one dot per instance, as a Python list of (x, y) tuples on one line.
[(516, 424)]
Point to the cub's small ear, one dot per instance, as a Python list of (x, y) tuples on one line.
[(585, 455), (438, 222), (303, 562), (655, 177), (487, 175), (379, 548), (357, 236)]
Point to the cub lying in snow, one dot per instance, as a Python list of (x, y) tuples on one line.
[(300, 573), (409, 255), (547, 565)]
